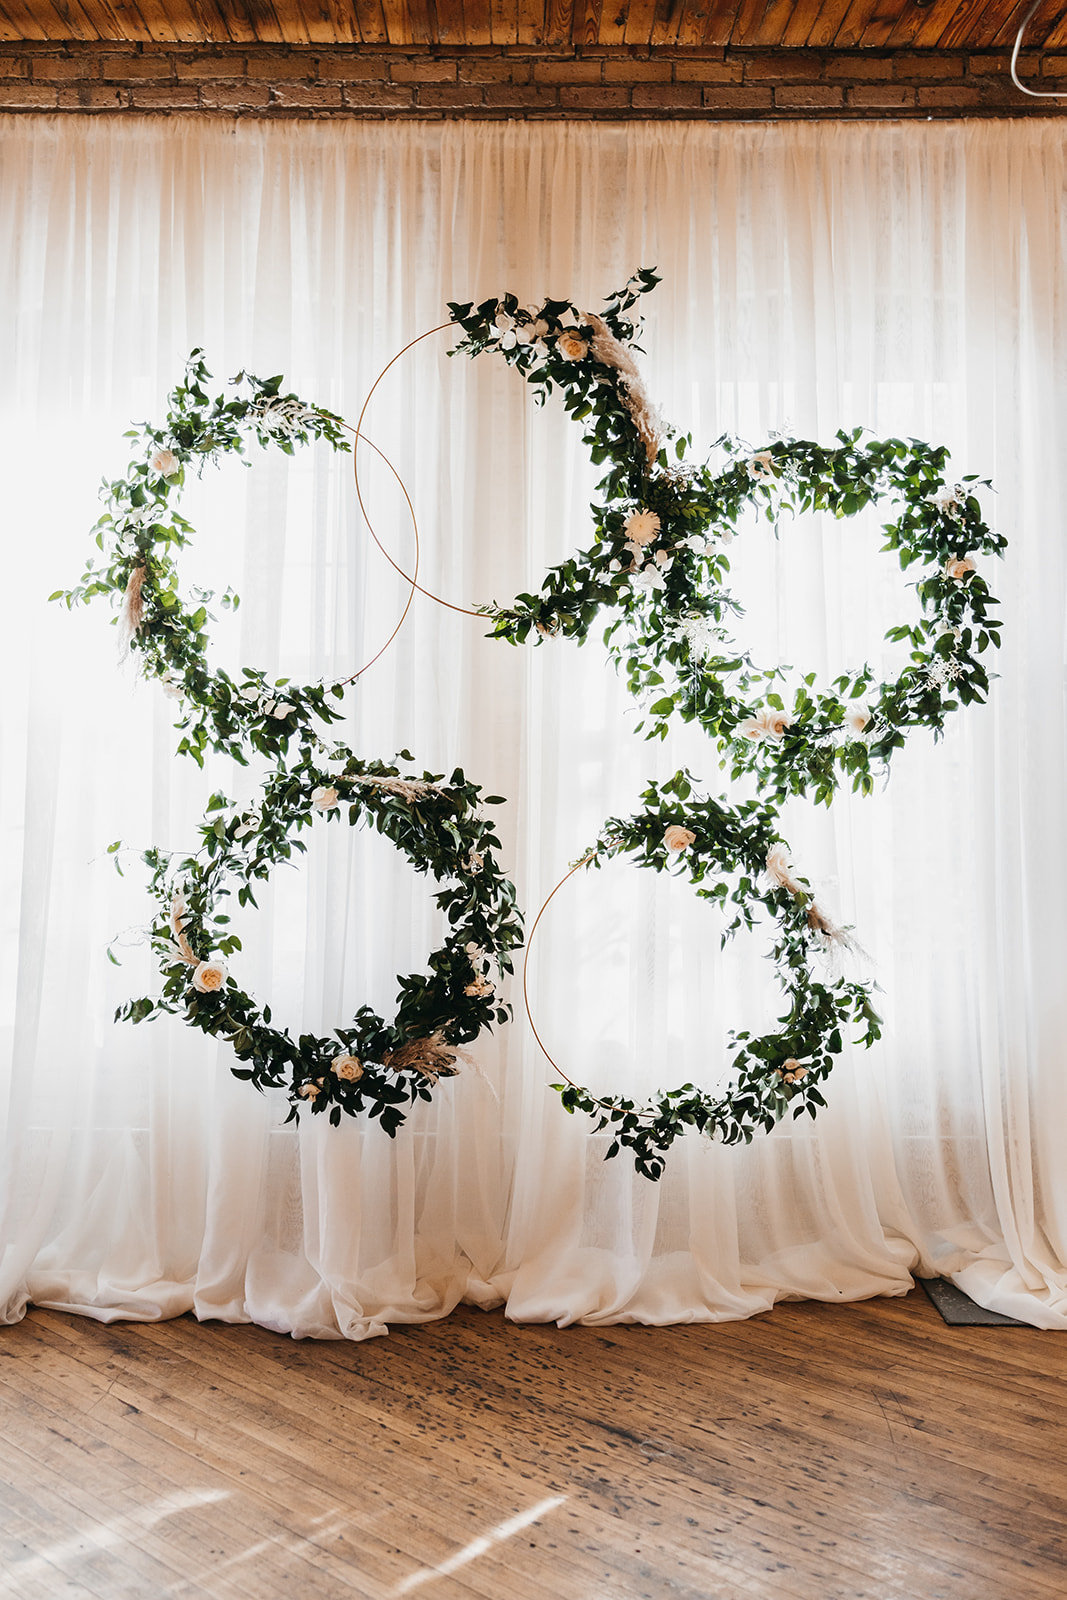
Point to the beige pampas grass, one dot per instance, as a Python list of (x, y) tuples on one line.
[(432, 1058), (132, 614), (608, 350)]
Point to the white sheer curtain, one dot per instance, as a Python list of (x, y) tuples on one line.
[(906, 278)]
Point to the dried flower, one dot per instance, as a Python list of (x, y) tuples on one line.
[(778, 872), (641, 527)]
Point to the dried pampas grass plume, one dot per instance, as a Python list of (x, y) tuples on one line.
[(431, 1058), (608, 350), (132, 614)]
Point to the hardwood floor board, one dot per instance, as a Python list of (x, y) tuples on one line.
[(493, 1475), (412, 1519), (312, 1511), (820, 1452), (863, 1558)]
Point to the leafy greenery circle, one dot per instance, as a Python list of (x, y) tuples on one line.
[(658, 562), (140, 534), (735, 857), (372, 1065)]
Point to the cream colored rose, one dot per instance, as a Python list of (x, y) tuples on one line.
[(641, 527), (571, 345), (310, 1091), (678, 838), (209, 976), (957, 567), (350, 1068), (166, 463), (761, 466), (324, 797), (766, 724), (857, 718)]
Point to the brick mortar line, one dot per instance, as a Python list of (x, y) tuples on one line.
[(508, 81)]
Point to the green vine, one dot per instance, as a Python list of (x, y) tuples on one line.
[(735, 858)]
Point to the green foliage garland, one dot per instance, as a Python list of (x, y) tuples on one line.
[(371, 1066), (655, 573), (140, 534), (658, 563), (735, 857)]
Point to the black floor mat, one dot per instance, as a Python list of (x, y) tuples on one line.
[(959, 1310)]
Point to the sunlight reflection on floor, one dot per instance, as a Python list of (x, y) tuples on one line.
[(478, 1547)]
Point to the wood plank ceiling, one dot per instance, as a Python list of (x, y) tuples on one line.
[(746, 24)]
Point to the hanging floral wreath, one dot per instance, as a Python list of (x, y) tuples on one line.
[(373, 1065), (140, 534), (658, 562), (735, 857)]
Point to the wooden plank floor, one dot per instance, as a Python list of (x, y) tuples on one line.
[(846, 1452)]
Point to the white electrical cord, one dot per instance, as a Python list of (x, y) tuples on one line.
[(1037, 94)]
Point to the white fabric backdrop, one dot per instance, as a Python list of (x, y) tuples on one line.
[(908, 278)]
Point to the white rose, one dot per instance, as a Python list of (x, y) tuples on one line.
[(957, 567), (766, 724), (857, 718), (571, 345), (641, 527), (209, 976), (350, 1068), (166, 463), (324, 797), (677, 837)]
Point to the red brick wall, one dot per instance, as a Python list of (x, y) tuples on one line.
[(379, 81)]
